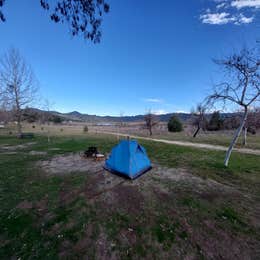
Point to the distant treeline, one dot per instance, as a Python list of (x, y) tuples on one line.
[(217, 121)]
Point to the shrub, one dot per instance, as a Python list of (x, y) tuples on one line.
[(33, 126), (85, 129), (61, 129), (56, 119), (232, 122), (175, 125), (252, 130), (216, 122)]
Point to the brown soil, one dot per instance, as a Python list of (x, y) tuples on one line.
[(155, 193), (67, 164), (125, 197)]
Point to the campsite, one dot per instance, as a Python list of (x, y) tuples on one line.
[(55, 203), (129, 129)]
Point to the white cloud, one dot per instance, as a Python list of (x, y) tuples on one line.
[(221, 5), (160, 112), (245, 3), (226, 11), (217, 18), (153, 100), (181, 111), (244, 19)]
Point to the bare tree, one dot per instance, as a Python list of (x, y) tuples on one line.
[(199, 118), (18, 84), (4, 113), (254, 118), (150, 121), (3, 102), (241, 87), (46, 116), (231, 122), (121, 118)]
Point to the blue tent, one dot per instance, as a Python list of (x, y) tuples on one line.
[(129, 159)]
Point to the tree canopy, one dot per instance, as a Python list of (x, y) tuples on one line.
[(215, 122), (84, 17), (174, 124)]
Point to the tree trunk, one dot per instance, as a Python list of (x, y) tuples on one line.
[(197, 131), (18, 111), (150, 131), (19, 125), (245, 137), (19, 129), (236, 135)]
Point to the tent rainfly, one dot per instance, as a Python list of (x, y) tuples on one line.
[(129, 159)]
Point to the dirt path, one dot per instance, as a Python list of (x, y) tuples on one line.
[(190, 144)]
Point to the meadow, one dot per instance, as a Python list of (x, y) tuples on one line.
[(189, 205), (221, 138)]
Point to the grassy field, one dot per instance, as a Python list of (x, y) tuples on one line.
[(215, 138), (189, 205)]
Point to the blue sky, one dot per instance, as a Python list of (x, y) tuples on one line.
[(153, 54)]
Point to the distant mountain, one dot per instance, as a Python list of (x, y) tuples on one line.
[(76, 116)]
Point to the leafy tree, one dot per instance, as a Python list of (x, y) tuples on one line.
[(2, 18), (215, 122), (85, 129), (82, 16), (174, 124), (56, 119)]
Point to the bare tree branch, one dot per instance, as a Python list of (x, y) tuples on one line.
[(199, 118), (18, 84), (150, 121), (242, 86)]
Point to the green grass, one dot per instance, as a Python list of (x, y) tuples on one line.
[(165, 230), (243, 170), (42, 231), (231, 215), (222, 138), (190, 202), (213, 138)]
